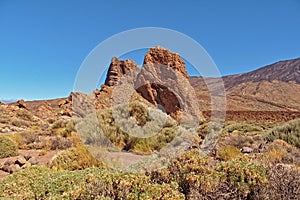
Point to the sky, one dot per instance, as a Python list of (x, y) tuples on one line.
[(43, 43)]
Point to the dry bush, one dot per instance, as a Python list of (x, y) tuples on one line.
[(73, 159), (8, 147), (284, 182), (29, 140), (25, 115)]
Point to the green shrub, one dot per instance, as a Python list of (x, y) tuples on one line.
[(8, 147), (93, 183), (289, 132), (242, 127)]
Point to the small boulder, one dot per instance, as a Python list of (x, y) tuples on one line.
[(26, 165), (14, 168), (20, 161), (27, 157), (246, 150), (8, 163), (33, 161)]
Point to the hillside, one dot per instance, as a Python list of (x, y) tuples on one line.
[(275, 87)]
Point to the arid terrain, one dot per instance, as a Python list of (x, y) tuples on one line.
[(53, 149)]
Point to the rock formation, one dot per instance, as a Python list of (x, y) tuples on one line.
[(164, 81), (21, 104), (117, 69)]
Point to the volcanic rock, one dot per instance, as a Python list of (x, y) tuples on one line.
[(21, 104), (159, 55), (164, 82), (117, 69)]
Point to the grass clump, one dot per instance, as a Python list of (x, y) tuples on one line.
[(8, 147), (289, 132)]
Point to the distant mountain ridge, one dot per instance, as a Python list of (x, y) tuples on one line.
[(285, 71)]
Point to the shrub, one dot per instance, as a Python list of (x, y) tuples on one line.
[(73, 159), (284, 181), (199, 177), (274, 155), (238, 140), (242, 127), (94, 183), (25, 115), (289, 132), (145, 136), (8, 147), (20, 123), (229, 153)]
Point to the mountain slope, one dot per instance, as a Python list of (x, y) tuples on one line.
[(275, 87)]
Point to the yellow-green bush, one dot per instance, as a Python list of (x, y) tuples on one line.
[(8, 147), (229, 153), (73, 159)]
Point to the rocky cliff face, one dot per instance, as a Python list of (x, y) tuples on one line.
[(117, 69), (163, 81), (159, 55)]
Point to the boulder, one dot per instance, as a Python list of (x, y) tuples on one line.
[(14, 168), (33, 161), (20, 161), (246, 150)]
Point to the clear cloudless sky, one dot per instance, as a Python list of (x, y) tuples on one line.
[(43, 43)]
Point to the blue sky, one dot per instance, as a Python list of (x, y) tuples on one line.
[(43, 43)]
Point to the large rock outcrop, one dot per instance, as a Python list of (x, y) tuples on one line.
[(117, 69), (163, 81)]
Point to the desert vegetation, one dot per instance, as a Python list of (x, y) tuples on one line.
[(228, 172)]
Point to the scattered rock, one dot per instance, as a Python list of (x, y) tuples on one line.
[(26, 165), (14, 168), (27, 157), (17, 164), (8, 163), (246, 150), (20, 161), (33, 161)]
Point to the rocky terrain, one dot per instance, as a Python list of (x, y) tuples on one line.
[(258, 145)]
